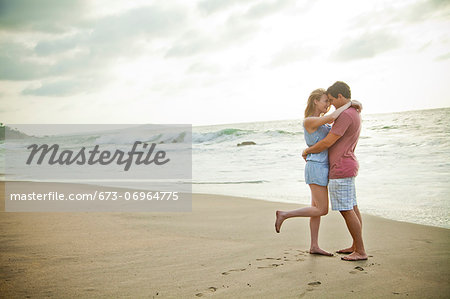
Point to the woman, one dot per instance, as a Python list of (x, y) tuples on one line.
[(316, 127)]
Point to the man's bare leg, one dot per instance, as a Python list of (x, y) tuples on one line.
[(354, 227), (353, 247)]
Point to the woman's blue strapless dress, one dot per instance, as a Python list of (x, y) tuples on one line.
[(317, 167)]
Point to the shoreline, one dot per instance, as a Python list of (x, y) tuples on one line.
[(226, 247), (300, 205), (92, 186)]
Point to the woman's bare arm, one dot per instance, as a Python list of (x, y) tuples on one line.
[(357, 105), (312, 123)]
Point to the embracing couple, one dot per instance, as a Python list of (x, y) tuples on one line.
[(331, 163)]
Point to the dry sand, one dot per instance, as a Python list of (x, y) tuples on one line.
[(226, 248)]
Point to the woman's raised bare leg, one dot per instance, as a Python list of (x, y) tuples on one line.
[(318, 208)]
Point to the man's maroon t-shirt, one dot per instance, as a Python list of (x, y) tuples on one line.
[(341, 155)]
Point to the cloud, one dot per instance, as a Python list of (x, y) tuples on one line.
[(15, 63), (423, 10), (416, 12), (367, 45), (235, 30), (113, 35), (191, 43), (238, 29), (263, 9), (18, 69), (212, 6), (146, 22), (291, 54), (200, 67), (64, 87), (443, 57), (58, 45), (87, 51), (42, 15), (425, 46)]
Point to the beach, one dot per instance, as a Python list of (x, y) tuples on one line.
[(225, 248)]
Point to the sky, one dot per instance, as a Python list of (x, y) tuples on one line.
[(216, 61)]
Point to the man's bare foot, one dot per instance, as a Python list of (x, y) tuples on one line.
[(319, 251), (279, 220), (346, 250), (355, 256)]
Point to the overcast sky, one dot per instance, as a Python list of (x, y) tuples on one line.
[(216, 61)]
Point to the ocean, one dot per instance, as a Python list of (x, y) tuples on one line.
[(404, 162)]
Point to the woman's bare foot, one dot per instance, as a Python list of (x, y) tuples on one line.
[(346, 250), (317, 250), (355, 256), (280, 218)]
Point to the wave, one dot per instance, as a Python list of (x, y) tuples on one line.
[(154, 134), (220, 135), (282, 132), (230, 134), (185, 136), (387, 127), (11, 133)]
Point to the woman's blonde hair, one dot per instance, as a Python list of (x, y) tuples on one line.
[(315, 95)]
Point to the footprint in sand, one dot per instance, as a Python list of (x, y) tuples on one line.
[(269, 258), (311, 288), (210, 289), (270, 266), (273, 265), (301, 253), (233, 270), (314, 283), (288, 256), (296, 255), (360, 269)]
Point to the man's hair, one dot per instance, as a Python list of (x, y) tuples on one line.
[(340, 87)]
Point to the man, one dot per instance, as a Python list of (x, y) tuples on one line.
[(341, 143)]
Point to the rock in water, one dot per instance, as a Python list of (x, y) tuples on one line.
[(246, 143)]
